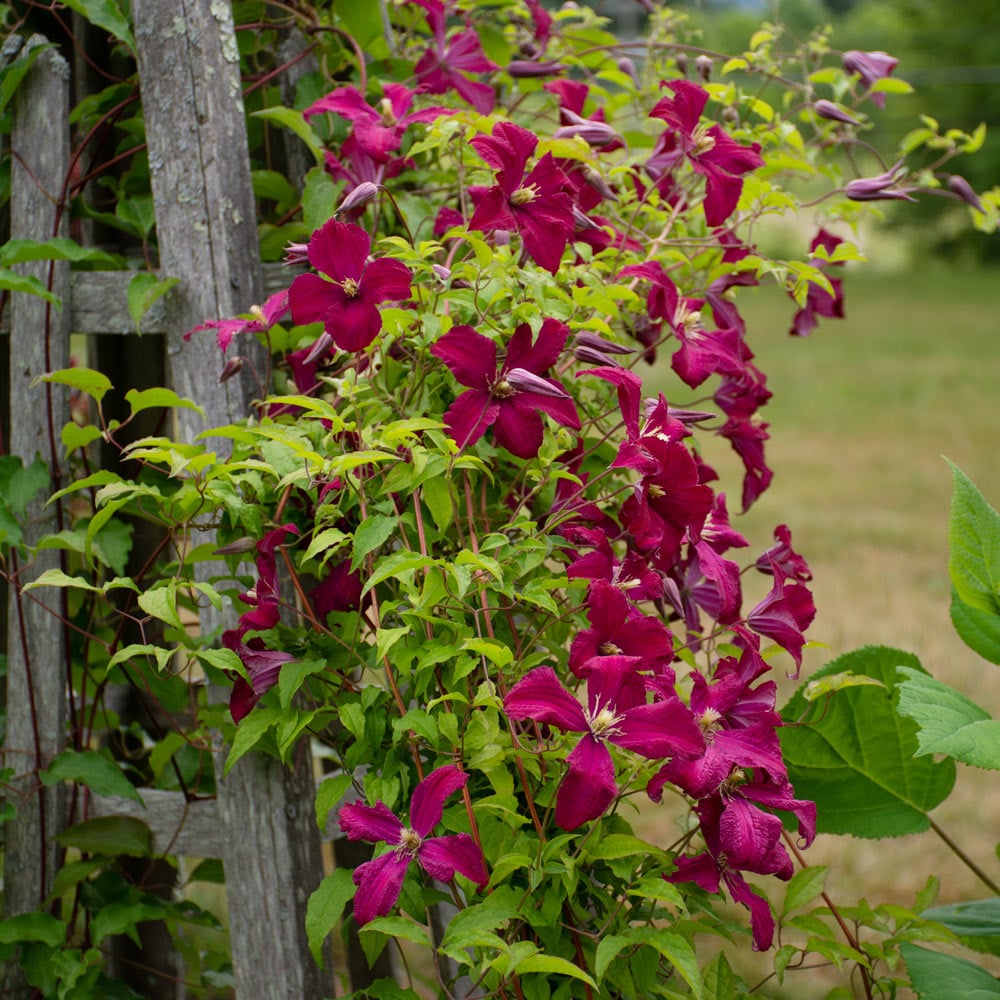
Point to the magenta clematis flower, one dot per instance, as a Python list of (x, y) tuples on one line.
[(443, 67), (882, 187), (870, 66), (378, 131), (260, 319), (346, 305), (819, 302), (537, 205), (380, 880), (720, 159), (506, 396), (663, 728)]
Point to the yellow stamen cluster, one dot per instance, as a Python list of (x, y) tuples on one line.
[(350, 287), (524, 195)]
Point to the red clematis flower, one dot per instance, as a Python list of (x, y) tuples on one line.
[(346, 305), (380, 880), (870, 66), (537, 205), (506, 396), (260, 319), (720, 159)]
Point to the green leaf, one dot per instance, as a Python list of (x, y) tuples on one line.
[(162, 603), (399, 927), (12, 75), (100, 774), (437, 495), (949, 722), (805, 885), (979, 630), (106, 14), (57, 248), (720, 981), (122, 917), (395, 565), (619, 845), (370, 534), (325, 908), (57, 578), (553, 964), (853, 755), (943, 977), (608, 949), (84, 380), (293, 675), (35, 926), (291, 119), (500, 655), (328, 795), (677, 950), (11, 281), (20, 483), (74, 436), (110, 835), (974, 546), (977, 923), (147, 399), (143, 290)]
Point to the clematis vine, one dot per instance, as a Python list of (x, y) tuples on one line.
[(663, 728), (506, 396), (346, 304), (380, 880)]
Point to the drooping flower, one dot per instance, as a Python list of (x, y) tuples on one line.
[(444, 66), (347, 303), (378, 131), (663, 728), (506, 395), (871, 67), (379, 881), (537, 205), (260, 319), (820, 302), (714, 154)]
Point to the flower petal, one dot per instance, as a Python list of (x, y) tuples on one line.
[(339, 249), (540, 696), (517, 427), (386, 280), (469, 416), (374, 823), (378, 882), (311, 299), (663, 729), (442, 857), (428, 797), (471, 357), (588, 787)]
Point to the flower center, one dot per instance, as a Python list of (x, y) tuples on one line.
[(604, 722), (350, 287), (737, 777), (655, 492), (709, 723), (701, 140), (409, 841), (502, 389), (609, 649), (523, 195), (385, 109), (687, 318)]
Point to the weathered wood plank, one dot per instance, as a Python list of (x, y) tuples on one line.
[(39, 342), (199, 166)]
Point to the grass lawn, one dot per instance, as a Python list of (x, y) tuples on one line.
[(862, 415)]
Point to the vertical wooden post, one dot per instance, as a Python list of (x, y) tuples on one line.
[(206, 226), (39, 342)]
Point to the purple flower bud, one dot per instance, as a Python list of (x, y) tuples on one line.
[(827, 109), (237, 548), (586, 339), (297, 253), (960, 186), (501, 238), (232, 367), (880, 188), (626, 66), (322, 346), (594, 357), (593, 132), (681, 61), (444, 273), (731, 116), (870, 66), (596, 180), (703, 64), (528, 68), (583, 221), (365, 192), (521, 378)]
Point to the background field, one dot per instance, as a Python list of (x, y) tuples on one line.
[(862, 415)]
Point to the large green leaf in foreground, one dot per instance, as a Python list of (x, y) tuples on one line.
[(943, 977), (854, 755)]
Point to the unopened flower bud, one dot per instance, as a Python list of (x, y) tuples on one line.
[(880, 188), (583, 221), (626, 66), (594, 357), (827, 109), (587, 339), (703, 64), (528, 68), (527, 381), (592, 132), (297, 253), (444, 273), (731, 116), (322, 346), (960, 186), (596, 180), (232, 367), (365, 192), (236, 548), (681, 61), (501, 238)]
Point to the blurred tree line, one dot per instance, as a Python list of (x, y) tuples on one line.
[(949, 52)]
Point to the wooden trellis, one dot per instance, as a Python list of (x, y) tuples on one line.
[(261, 824)]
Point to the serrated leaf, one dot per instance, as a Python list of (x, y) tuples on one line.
[(144, 289), (974, 546), (20, 483), (325, 908), (85, 380), (147, 399), (394, 565), (803, 887), (90, 768), (111, 836), (854, 754), (949, 722), (618, 845), (977, 923), (944, 977), (372, 532), (979, 630)]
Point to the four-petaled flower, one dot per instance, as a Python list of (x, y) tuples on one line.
[(379, 881), (506, 396), (537, 205), (347, 304)]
